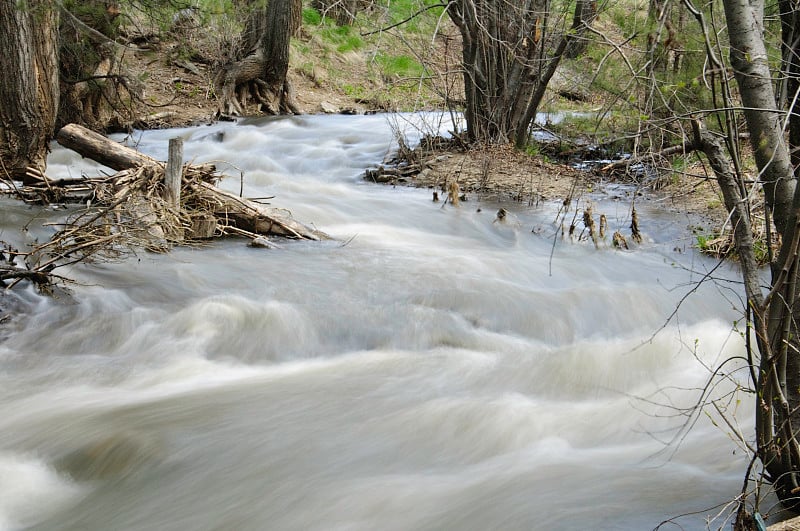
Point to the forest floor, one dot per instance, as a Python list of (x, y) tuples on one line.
[(180, 93)]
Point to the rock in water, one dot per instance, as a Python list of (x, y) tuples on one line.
[(112, 457)]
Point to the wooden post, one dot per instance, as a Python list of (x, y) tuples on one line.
[(174, 172)]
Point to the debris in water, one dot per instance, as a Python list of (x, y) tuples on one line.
[(588, 222), (262, 243), (619, 240), (452, 193), (636, 235)]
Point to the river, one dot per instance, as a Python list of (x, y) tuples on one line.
[(429, 368)]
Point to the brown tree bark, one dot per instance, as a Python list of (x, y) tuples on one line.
[(29, 93), (500, 45), (92, 77), (508, 59), (297, 16), (582, 20), (275, 48), (262, 72)]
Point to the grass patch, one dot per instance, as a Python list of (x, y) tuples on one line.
[(342, 38), (311, 17), (399, 66), (721, 246)]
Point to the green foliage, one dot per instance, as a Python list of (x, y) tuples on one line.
[(399, 66), (704, 241), (354, 91), (343, 38), (761, 251), (399, 10), (532, 149), (311, 17)]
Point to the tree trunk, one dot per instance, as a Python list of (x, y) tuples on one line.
[(506, 64), (255, 27), (275, 47), (776, 318), (91, 74), (790, 80), (297, 16), (500, 45), (582, 20), (262, 72), (751, 70), (29, 91)]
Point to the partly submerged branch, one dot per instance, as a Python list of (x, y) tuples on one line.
[(132, 209)]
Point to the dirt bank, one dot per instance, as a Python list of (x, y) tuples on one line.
[(180, 93)]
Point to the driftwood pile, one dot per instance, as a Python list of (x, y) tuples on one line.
[(408, 163), (147, 204)]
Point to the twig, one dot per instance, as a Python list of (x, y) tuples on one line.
[(418, 13)]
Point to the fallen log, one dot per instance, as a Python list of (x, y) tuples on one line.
[(251, 216), (131, 210), (385, 175), (94, 146), (100, 149), (683, 148)]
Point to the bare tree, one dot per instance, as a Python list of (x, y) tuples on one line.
[(510, 52), (790, 80), (96, 91), (582, 20), (773, 311), (29, 93), (774, 314), (262, 72)]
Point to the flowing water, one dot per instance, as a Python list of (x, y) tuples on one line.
[(429, 368)]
